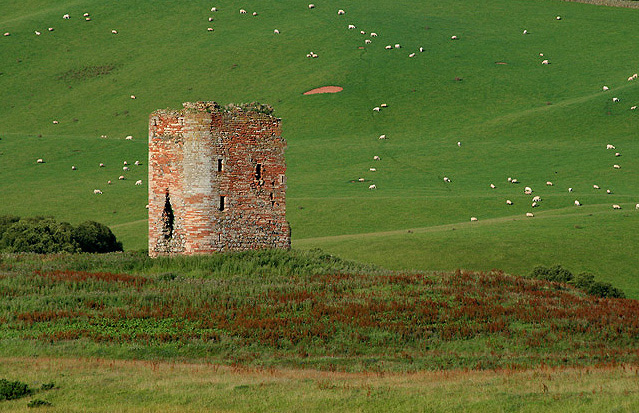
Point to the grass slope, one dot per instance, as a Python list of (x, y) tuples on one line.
[(522, 119)]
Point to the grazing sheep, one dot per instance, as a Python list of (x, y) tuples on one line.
[(242, 11), (510, 179), (372, 186), (577, 203), (311, 6), (529, 214), (129, 138), (137, 162), (609, 146), (473, 219), (616, 166), (109, 182), (536, 199), (121, 177), (384, 105), (534, 204), (254, 13), (382, 136), (133, 97), (605, 88), (398, 46), (454, 38), (125, 168), (492, 186), (138, 182), (637, 206), (509, 202), (125, 163), (545, 62), (514, 181), (421, 49), (372, 169), (51, 29), (608, 191), (411, 55), (367, 41), (630, 78), (615, 206), (362, 32), (341, 12), (525, 32), (548, 183), (388, 47), (376, 109), (37, 33), (459, 143), (633, 107), (569, 189), (66, 16), (446, 179), (213, 8), (73, 168), (276, 31), (351, 26), (210, 19), (101, 165), (97, 192), (87, 19), (617, 154), (595, 186), (210, 29), (373, 34), (40, 160), (615, 99), (114, 31), (528, 189), (558, 17), (55, 122), (377, 158)]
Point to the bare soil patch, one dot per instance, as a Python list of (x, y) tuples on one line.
[(612, 3), (325, 89)]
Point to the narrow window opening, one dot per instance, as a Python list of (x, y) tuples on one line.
[(219, 165), (283, 177), (168, 219), (258, 171), (222, 203)]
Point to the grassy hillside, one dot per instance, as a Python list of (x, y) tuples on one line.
[(303, 310), (521, 119)]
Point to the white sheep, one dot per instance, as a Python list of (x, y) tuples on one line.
[(137, 162), (398, 46), (66, 16), (615, 99), (528, 189), (367, 41), (125, 168), (125, 163), (121, 177), (637, 206), (372, 169), (7, 34), (492, 186), (536, 198), (605, 88), (510, 179), (633, 107), (133, 97), (459, 143), (388, 47), (210, 19), (529, 214), (242, 11), (254, 13), (548, 183), (361, 179), (615, 206), (525, 32), (446, 179), (129, 138), (351, 26), (558, 17), (514, 181), (421, 49), (569, 189), (109, 182), (341, 12), (73, 168), (51, 29), (37, 33), (609, 146), (373, 34), (617, 154), (114, 32), (384, 105), (362, 32), (453, 38), (608, 191), (372, 186), (376, 109), (509, 202), (101, 165), (411, 55), (382, 136), (138, 182), (377, 158), (595, 186), (213, 8), (40, 160), (534, 204), (55, 122), (473, 219), (97, 192), (311, 6), (616, 166), (577, 203), (545, 62), (210, 29)]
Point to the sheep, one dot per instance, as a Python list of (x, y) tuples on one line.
[(125, 163), (609, 146), (109, 182), (421, 49), (525, 32), (376, 109), (558, 17), (138, 182), (608, 191), (446, 179), (367, 41), (616, 166), (133, 97), (384, 105), (372, 169), (635, 75), (617, 154), (630, 78), (210, 19), (548, 183), (398, 46), (362, 32), (492, 186), (536, 198), (514, 181), (577, 203), (210, 29), (534, 204), (382, 136), (254, 13), (454, 38), (213, 8), (373, 34), (372, 186), (527, 192), (569, 189), (97, 192), (637, 206), (351, 27), (311, 6), (125, 168), (86, 14), (509, 202), (388, 47), (137, 162), (633, 107), (510, 179), (615, 99), (595, 186), (473, 219), (377, 158), (37, 33), (605, 88), (528, 189), (147, 206), (114, 32), (103, 136), (55, 122), (242, 11), (66, 17), (530, 214), (87, 19), (615, 206), (361, 179), (341, 12), (121, 177), (411, 55), (459, 143), (129, 138), (545, 62), (50, 29), (101, 165), (73, 168), (40, 160)]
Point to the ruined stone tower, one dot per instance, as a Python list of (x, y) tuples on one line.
[(216, 180)]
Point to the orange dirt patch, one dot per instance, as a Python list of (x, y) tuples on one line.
[(325, 89), (501, 63)]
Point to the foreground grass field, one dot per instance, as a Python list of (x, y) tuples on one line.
[(100, 385), (520, 119)]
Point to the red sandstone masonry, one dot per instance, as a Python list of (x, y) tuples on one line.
[(186, 148)]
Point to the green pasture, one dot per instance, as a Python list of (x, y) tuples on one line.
[(521, 119)]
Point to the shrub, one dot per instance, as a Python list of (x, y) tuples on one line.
[(605, 290), (38, 403), (48, 386), (10, 390), (555, 273), (92, 236)]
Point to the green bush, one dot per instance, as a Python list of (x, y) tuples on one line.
[(44, 235), (10, 390), (38, 403), (555, 273)]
